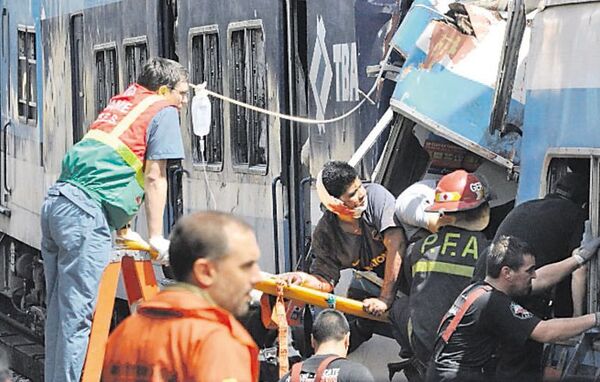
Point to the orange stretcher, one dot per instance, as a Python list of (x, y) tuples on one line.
[(317, 298)]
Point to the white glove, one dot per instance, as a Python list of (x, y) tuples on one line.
[(161, 245), (589, 245), (125, 235)]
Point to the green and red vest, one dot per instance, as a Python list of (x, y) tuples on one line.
[(108, 163)]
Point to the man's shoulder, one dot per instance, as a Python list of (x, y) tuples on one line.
[(377, 191), (351, 371)]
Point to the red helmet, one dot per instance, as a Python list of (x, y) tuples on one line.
[(458, 191)]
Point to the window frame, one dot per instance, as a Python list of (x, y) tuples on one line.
[(104, 48), (593, 155), (216, 104), (249, 166), (128, 43), (30, 100)]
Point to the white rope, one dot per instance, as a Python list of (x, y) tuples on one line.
[(294, 118)]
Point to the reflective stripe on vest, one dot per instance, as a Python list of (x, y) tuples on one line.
[(112, 138), (423, 266)]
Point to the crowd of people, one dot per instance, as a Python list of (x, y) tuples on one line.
[(464, 306)]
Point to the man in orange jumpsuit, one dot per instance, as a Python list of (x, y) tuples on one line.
[(188, 332)]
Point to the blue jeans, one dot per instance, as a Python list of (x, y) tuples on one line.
[(76, 245)]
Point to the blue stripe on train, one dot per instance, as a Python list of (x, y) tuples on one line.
[(555, 118)]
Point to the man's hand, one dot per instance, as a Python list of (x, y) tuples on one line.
[(589, 246), (374, 306), (161, 245), (292, 278), (126, 234)]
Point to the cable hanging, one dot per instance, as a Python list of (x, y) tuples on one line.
[(292, 118)]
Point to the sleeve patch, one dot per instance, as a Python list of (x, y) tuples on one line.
[(519, 312)]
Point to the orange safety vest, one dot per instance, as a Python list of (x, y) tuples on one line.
[(108, 163)]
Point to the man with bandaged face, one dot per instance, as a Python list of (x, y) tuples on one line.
[(357, 230)]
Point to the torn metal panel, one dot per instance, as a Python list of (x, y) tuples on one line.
[(448, 80), (421, 13)]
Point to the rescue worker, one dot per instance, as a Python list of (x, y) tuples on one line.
[(103, 181), (552, 227), (188, 332), (330, 338), (358, 230), (485, 314), (438, 267)]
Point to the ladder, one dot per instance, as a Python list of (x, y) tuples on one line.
[(140, 284)]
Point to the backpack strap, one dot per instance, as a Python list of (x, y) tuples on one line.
[(295, 373), (470, 298), (323, 365)]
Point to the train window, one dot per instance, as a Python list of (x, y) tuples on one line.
[(248, 83), (26, 75), (206, 66), (135, 57), (107, 80)]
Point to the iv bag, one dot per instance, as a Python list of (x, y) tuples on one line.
[(201, 114)]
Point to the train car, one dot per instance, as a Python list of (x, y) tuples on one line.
[(61, 61), (561, 134)]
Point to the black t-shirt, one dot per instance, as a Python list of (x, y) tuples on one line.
[(552, 226), (340, 370), (493, 318), (334, 249), (438, 267)]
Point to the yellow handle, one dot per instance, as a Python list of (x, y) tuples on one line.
[(137, 246), (314, 297)]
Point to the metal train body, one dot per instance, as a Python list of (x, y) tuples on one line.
[(62, 60)]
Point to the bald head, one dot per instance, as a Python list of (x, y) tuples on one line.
[(203, 235)]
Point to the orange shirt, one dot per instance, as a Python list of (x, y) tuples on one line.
[(180, 335)]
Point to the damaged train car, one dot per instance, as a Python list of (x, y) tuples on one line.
[(60, 62), (495, 87)]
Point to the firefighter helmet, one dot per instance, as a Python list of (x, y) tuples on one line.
[(458, 191)]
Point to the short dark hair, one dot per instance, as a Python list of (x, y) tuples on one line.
[(506, 251), (160, 71), (201, 235), (337, 176), (330, 325)]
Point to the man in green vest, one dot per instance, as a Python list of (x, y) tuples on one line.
[(105, 177)]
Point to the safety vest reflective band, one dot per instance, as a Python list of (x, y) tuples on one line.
[(125, 152), (442, 267), (108, 163)]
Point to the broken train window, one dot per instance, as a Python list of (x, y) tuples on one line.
[(26, 75), (135, 57), (206, 66), (107, 77), (248, 83)]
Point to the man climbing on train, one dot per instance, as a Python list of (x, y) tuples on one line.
[(104, 179), (357, 230)]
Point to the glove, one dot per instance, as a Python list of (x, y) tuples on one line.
[(589, 246), (161, 245), (125, 235)]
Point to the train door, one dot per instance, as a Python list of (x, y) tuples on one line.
[(5, 121), (167, 17), (295, 174)]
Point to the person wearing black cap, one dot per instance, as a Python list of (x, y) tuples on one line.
[(552, 227), (439, 266)]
